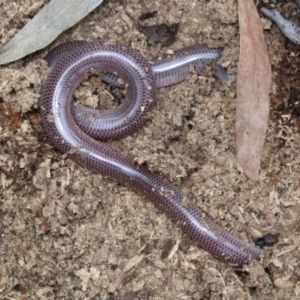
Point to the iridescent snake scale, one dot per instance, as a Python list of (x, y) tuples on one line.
[(74, 129)]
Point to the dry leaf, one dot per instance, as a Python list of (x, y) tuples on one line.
[(253, 87), (47, 24), (133, 262)]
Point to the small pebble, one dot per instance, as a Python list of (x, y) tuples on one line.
[(267, 240), (184, 245)]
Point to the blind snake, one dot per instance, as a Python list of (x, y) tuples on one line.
[(74, 129)]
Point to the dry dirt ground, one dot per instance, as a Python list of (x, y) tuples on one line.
[(68, 233)]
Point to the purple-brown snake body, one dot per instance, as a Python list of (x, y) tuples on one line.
[(73, 129)]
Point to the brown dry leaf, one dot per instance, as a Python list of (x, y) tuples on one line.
[(253, 87), (47, 24)]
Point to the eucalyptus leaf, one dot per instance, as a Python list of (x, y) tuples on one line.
[(47, 24)]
